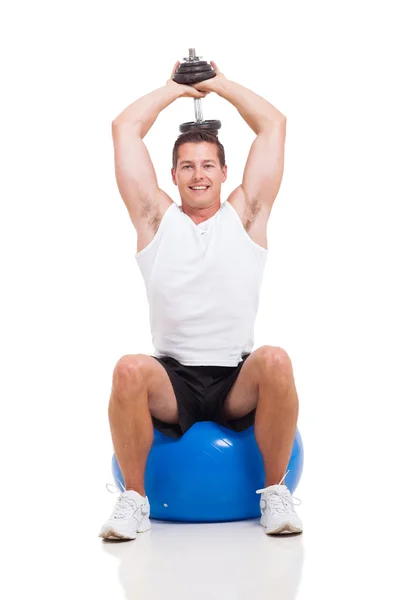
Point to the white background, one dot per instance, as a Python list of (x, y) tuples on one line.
[(73, 301)]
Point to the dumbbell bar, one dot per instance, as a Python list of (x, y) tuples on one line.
[(190, 72)]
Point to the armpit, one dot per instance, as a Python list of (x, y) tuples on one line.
[(151, 215), (251, 211)]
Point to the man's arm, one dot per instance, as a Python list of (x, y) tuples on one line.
[(264, 167), (134, 170), (135, 174)]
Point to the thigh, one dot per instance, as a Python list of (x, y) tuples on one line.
[(161, 396), (262, 365), (243, 396)]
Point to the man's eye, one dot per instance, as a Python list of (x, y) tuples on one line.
[(187, 166), (209, 165)]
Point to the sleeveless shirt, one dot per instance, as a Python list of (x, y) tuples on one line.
[(203, 287)]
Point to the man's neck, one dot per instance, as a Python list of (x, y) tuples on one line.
[(198, 215)]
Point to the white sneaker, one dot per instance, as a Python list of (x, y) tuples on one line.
[(130, 516), (277, 511)]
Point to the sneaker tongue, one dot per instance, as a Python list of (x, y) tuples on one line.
[(276, 488), (134, 496)]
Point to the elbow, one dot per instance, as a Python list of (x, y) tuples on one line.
[(115, 126), (275, 123), (120, 124), (280, 119), (117, 123)]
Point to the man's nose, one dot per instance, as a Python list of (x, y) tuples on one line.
[(198, 173)]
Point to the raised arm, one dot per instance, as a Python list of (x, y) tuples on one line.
[(264, 167), (135, 174)]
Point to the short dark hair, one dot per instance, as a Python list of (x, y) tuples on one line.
[(197, 136)]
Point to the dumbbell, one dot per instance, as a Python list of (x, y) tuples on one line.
[(193, 70)]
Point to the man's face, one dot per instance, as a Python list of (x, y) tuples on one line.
[(198, 174)]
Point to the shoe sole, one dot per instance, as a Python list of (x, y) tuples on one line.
[(111, 534), (285, 528)]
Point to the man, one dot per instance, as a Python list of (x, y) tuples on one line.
[(202, 264)]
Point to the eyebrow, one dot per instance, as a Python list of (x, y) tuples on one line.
[(209, 160)]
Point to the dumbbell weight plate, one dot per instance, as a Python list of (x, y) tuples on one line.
[(191, 78), (195, 63), (208, 126), (193, 69)]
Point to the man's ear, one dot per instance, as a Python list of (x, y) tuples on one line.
[(173, 175), (225, 172)]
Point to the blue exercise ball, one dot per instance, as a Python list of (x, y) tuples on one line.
[(210, 474)]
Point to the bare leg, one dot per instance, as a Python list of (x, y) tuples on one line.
[(141, 388), (276, 419), (266, 382)]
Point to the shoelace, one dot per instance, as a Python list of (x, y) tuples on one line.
[(123, 503), (280, 499)]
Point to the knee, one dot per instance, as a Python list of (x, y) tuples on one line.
[(274, 360), (128, 372)]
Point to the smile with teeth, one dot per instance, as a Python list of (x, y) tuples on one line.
[(199, 187)]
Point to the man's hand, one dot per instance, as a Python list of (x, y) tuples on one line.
[(213, 84), (186, 91)]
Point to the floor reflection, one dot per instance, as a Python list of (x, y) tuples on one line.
[(211, 560)]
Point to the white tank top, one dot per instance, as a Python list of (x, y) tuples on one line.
[(203, 286)]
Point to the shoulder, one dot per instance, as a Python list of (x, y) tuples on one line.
[(254, 215)]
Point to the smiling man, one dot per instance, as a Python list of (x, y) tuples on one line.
[(202, 264), (198, 170)]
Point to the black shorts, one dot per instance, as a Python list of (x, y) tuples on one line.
[(201, 392)]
